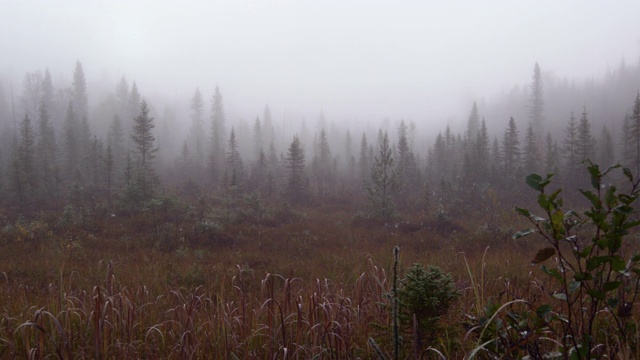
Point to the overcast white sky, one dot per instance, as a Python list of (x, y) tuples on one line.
[(360, 59)]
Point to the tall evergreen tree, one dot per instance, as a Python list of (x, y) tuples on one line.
[(116, 141), (406, 164), (197, 135), (217, 134), (511, 150), (633, 135), (606, 152), (482, 148), (27, 152), (133, 109), (234, 167), (294, 162), (48, 97), (144, 141), (258, 138), (31, 92), (323, 166), (385, 179), (122, 99), (473, 124), (109, 170), (570, 148), (551, 156), (536, 102), (71, 143), (532, 153), (46, 152), (94, 170), (364, 158), (586, 142), (80, 97), (268, 131), (625, 151)]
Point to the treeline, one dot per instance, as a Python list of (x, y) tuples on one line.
[(54, 158)]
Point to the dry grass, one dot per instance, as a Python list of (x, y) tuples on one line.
[(309, 288)]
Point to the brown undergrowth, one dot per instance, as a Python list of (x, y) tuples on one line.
[(313, 287)]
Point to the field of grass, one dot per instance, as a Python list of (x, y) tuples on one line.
[(313, 286)]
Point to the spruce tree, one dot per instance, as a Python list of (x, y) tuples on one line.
[(606, 153), (385, 180), (46, 151), (586, 142), (197, 135), (570, 149), (364, 158), (511, 150), (234, 167), (217, 135), (144, 141), (536, 102), (473, 124), (532, 153), (633, 135), (295, 162), (80, 98)]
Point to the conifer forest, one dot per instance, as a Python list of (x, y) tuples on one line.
[(319, 180)]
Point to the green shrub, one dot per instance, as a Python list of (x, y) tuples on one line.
[(426, 294), (595, 277)]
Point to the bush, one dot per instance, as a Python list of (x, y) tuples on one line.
[(426, 294), (595, 278)]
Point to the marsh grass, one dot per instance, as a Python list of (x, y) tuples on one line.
[(312, 286)]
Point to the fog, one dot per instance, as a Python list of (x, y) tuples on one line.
[(357, 61)]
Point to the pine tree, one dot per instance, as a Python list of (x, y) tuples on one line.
[(551, 156), (143, 139), (364, 158), (80, 98), (324, 173), (109, 170), (71, 143), (259, 172), (48, 93), (634, 136), (217, 134), (122, 99), (31, 92), (406, 164), (570, 149), (46, 151), (384, 181), (511, 150), (234, 167), (116, 140), (94, 164), (586, 141), (197, 137), (532, 153), (625, 149), (268, 130), (133, 109), (606, 153), (258, 138), (295, 162), (482, 148), (27, 152), (473, 124), (536, 102)]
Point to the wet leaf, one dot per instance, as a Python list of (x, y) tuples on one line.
[(543, 255)]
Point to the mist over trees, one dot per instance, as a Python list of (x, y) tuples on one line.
[(67, 149)]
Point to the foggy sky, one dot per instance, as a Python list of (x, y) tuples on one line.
[(420, 60)]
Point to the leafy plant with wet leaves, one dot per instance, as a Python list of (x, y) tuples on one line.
[(595, 270)]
